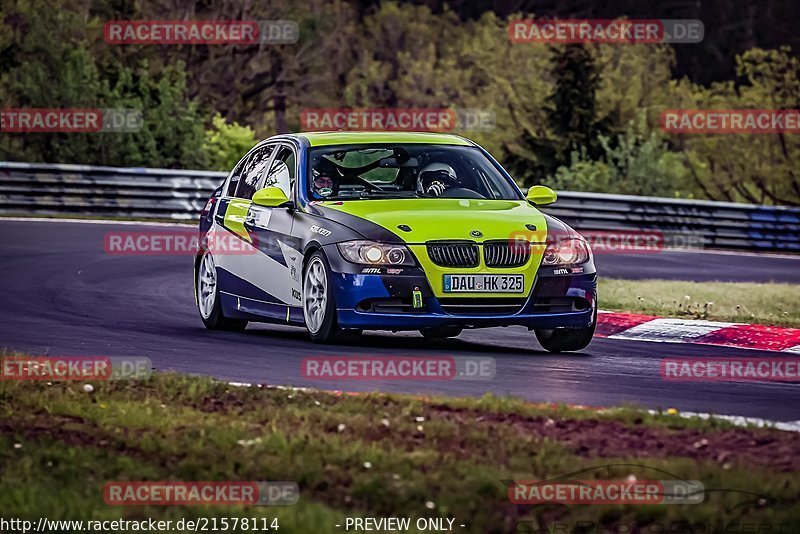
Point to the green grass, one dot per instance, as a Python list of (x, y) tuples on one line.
[(366, 455), (770, 304)]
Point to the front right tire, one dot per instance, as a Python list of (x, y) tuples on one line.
[(567, 339), (440, 332)]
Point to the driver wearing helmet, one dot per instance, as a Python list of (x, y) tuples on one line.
[(436, 178), (324, 182)]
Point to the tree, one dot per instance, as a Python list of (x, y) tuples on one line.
[(225, 144), (55, 65), (745, 167), (571, 117), (635, 162), (572, 110)]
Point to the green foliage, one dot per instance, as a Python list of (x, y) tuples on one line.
[(172, 130), (55, 67), (405, 59), (563, 114), (634, 83), (225, 144), (756, 168), (573, 125), (772, 73), (635, 163), (572, 113)]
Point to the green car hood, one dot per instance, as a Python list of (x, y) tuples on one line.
[(450, 218)]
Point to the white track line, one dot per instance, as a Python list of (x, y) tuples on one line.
[(668, 330), (738, 420)]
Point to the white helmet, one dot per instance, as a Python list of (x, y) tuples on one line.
[(434, 178)]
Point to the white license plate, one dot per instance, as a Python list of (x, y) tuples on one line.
[(484, 283)]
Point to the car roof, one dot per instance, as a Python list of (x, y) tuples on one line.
[(366, 138)]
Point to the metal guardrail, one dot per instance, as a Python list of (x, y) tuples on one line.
[(64, 190), (723, 225)]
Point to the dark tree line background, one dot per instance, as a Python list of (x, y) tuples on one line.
[(732, 26), (578, 117)]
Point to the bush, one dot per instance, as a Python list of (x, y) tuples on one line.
[(225, 143), (633, 163)]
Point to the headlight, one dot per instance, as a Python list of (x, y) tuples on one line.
[(372, 253), (566, 252)]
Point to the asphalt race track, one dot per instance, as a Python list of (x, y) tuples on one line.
[(64, 295)]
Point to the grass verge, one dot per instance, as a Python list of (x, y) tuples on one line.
[(374, 455), (770, 304)]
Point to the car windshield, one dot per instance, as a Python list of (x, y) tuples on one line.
[(404, 171)]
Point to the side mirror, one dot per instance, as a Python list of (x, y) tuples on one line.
[(541, 195), (270, 197)]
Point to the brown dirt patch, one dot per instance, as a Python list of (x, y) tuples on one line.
[(773, 449)]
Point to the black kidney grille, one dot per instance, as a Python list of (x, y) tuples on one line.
[(507, 253), (453, 254)]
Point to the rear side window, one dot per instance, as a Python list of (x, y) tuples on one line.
[(282, 171), (253, 171), (236, 175)]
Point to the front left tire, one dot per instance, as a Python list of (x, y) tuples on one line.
[(207, 297), (319, 306)]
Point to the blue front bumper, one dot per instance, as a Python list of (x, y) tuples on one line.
[(351, 290), (384, 321)]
